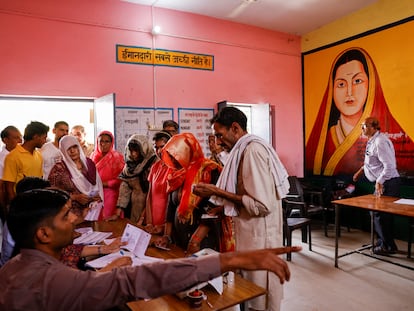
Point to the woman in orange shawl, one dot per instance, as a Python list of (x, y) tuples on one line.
[(190, 231), (335, 145), (109, 164)]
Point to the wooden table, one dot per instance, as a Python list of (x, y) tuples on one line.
[(233, 293), (375, 204)]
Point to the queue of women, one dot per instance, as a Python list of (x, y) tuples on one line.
[(151, 184)]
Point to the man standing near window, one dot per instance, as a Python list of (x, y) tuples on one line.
[(50, 151), (25, 160), (10, 136), (79, 132)]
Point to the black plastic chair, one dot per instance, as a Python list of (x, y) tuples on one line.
[(292, 223), (306, 203)]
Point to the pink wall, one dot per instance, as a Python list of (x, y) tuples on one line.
[(52, 48)]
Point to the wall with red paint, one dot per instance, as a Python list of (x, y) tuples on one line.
[(54, 48)]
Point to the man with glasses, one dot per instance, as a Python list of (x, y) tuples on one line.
[(380, 167)]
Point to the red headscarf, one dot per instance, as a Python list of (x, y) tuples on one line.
[(186, 150)]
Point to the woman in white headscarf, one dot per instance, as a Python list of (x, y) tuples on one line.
[(77, 175)]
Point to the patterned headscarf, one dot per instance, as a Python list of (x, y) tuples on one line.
[(146, 156)]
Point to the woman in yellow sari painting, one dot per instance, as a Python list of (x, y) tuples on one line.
[(335, 145)]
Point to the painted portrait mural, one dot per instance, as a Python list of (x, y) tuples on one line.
[(364, 79)]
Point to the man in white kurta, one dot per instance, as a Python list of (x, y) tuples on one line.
[(250, 188)]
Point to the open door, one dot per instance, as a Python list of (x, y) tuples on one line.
[(104, 114), (259, 118)]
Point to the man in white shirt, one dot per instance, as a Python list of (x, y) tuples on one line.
[(50, 151), (380, 167), (79, 132)]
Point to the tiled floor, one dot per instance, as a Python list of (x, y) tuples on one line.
[(360, 282)]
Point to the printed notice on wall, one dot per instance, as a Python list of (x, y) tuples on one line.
[(143, 121), (197, 122)]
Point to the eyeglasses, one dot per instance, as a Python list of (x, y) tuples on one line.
[(364, 126)]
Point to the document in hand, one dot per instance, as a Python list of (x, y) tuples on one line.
[(94, 211), (137, 240)]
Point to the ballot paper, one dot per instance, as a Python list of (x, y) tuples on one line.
[(137, 243), (216, 283)]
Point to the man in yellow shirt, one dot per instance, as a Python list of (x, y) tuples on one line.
[(25, 160)]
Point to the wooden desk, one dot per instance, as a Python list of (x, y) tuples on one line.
[(376, 204), (234, 293)]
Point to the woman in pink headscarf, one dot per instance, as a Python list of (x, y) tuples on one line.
[(109, 164)]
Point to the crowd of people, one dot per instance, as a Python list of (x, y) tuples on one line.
[(228, 202)]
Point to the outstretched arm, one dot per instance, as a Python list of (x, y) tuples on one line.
[(265, 259)]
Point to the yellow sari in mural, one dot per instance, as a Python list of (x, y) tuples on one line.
[(336, 145)]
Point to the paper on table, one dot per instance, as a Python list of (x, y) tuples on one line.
[(138, 241), (107, 259), (92, 237), (405, 201)]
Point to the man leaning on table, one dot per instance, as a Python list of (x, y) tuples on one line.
[(42, 223), (380, 167)]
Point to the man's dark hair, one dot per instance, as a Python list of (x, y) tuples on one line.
[(30, 183), (167, 123), (30, 209), (59, 123), (227, 115), (6, 131), (161, 135), (35, 128)]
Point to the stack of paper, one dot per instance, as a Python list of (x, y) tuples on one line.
[(90, 237), (138, 241)]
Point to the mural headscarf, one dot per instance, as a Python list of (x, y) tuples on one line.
[(328, 153)]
